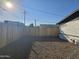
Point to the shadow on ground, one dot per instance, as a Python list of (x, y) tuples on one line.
[(20, 49), (49, 39)]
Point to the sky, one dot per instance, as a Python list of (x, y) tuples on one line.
[(43, 11)]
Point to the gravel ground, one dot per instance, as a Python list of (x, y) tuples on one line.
[(54, 49)]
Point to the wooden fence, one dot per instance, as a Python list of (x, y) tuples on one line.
[(42, 31), (11, 31)]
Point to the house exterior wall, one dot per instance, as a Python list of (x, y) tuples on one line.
[(70, 30)]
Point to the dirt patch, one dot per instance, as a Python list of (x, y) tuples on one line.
[(55, 49)]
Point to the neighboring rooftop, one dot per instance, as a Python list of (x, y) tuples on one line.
[(70, 17), (47, 25), (14, 22)]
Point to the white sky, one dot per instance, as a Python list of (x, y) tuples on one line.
[(15, 14)]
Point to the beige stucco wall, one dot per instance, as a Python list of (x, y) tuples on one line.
[(72, 29)]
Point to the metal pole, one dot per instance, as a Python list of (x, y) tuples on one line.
[(24, 16), (35, 22), (35, 29)]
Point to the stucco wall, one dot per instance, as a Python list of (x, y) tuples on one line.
[(71, 29)]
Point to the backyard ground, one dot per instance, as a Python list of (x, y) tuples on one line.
[(19, 49), (54, 48), (40, 48)]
